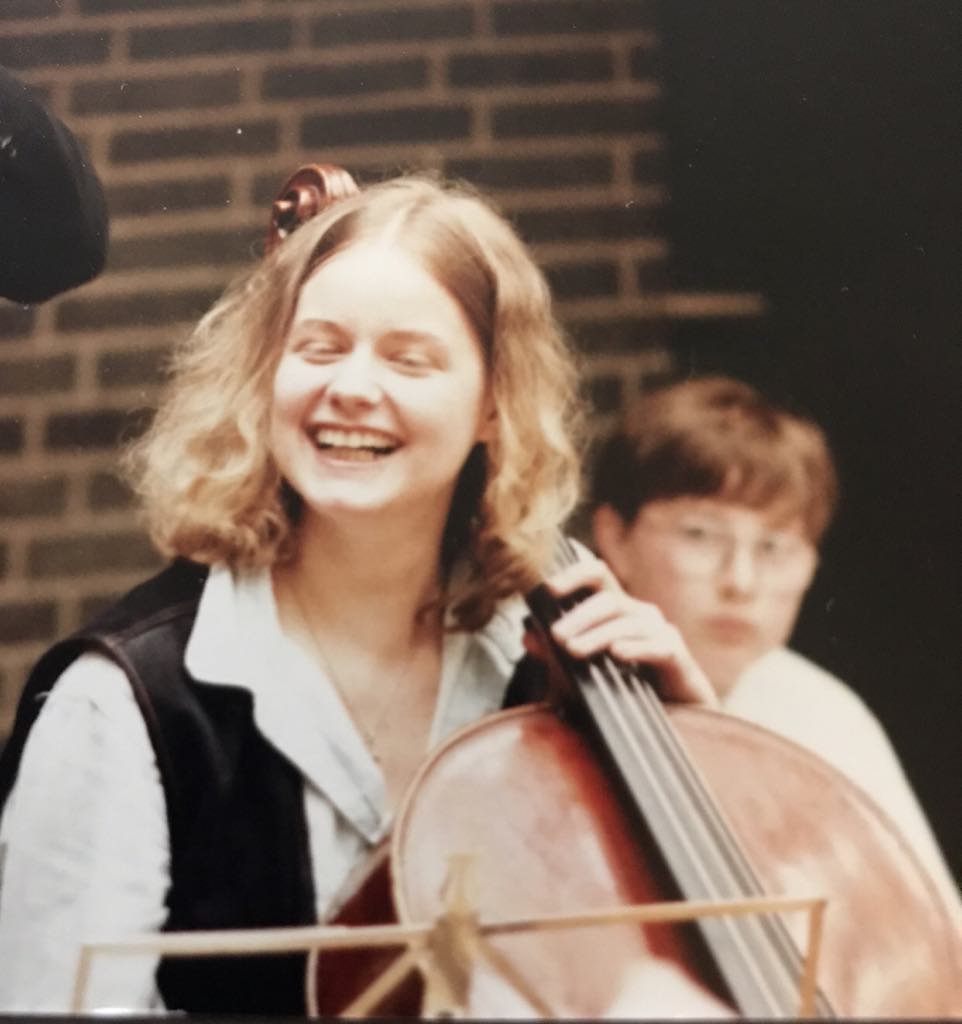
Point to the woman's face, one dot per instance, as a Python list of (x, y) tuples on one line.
[(381, 389)]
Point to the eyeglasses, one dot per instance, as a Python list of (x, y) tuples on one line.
[(703, 547)]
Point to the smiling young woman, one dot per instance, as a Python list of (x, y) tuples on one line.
[(367, 451)]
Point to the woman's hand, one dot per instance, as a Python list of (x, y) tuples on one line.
[(630, 630)]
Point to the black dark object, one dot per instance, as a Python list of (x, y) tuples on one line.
[(53, 216)]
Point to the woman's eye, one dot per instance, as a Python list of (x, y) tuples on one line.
[(320, 351), (412, 360)]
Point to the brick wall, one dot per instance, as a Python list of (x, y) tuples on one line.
[(194, 111)]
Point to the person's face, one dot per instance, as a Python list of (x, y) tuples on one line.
[(380, 392), (730, 577)]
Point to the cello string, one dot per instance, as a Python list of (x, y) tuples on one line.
[(725, 870), (715, 819), (644, 706)]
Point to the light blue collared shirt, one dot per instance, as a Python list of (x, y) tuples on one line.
[(85, 829)]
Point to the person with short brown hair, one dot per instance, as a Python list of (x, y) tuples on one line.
[(710, 503)]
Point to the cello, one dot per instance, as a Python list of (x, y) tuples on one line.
[(625, 800), (623, 788)]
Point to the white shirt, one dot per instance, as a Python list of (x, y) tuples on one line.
[(85, 833), (793, 697)]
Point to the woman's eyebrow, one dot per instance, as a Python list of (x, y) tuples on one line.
[(317, 326), (413, 336)]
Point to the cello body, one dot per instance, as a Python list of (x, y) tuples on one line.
[(523, 792)]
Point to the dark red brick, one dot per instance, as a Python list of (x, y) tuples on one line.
[(356, 78), (142, 308), (132, 368), (11, 436), (24, 622), (577, 223), (172, 194), (584, 117), (215, 140), (84, 431), (88, 553), (651, 274), (537, 68), (105, 492), (534, 172), (248, 36), (433, 123), (115, 6), (393, 24), (583, 280), (15, 321), (138, 310), (541, 17), (32, 9), (54, 48), (132, 95), (205, 248), (36, 375), (23, 498)]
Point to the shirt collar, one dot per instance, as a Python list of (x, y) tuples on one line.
[(237, 641)]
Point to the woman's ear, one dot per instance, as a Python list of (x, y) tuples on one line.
[(488, 422), (609, 530)]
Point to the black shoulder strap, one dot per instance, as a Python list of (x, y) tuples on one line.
[(171, 595)]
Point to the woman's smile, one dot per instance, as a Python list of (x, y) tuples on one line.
[(353, 444)]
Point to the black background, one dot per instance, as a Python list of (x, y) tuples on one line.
[(816, 156)]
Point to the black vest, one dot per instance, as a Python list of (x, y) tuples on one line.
[(238, 837)]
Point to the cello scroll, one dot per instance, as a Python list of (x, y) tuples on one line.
[(308, 191)]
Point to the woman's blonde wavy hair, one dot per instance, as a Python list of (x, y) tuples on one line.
[(208, 483)]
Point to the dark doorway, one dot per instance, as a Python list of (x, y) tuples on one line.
[(816, 156)]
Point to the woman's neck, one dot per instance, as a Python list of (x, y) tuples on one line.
[(366, 587), (355, 602)]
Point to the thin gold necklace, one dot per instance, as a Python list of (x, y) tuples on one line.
[(368, 733)]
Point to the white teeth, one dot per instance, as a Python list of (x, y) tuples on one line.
[(334, 437)]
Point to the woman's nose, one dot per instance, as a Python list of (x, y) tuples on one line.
[(354, 380)]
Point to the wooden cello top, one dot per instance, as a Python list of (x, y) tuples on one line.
[(527, 795)]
